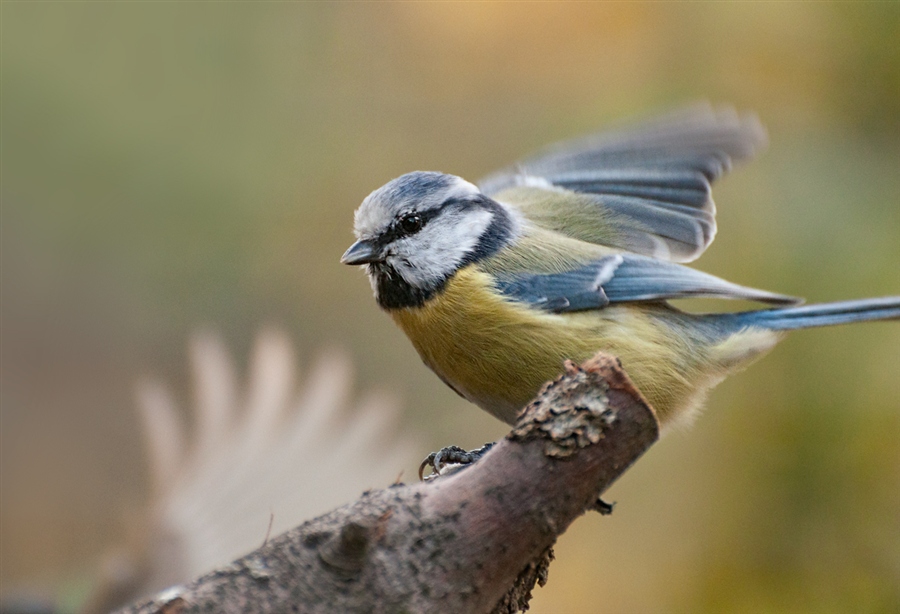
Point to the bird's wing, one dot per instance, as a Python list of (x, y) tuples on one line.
[(645, 189), (623, 278)]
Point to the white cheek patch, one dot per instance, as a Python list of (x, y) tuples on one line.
[(436, 252)]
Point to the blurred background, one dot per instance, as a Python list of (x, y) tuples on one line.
[(181, 176)]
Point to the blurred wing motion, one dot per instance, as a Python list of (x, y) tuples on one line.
[(623, 278), (645, 189), (268, 453)]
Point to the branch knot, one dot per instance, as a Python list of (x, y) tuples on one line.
[(570, 412)]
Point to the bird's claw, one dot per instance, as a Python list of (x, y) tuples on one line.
[(603, 507), (451, 455)]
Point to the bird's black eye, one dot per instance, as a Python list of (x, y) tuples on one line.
[(411, 223)]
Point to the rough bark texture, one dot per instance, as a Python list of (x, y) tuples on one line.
[(473, 541)]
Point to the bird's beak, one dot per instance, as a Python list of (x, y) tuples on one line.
[(362, 252)]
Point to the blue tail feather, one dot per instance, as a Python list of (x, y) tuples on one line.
[(808, 316)]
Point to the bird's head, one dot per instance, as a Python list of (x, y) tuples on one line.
[(416, 231)]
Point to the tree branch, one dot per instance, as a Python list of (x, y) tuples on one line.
[(473, 541)]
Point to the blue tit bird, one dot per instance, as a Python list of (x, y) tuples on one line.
[(574, 251)]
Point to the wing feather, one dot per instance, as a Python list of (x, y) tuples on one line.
[(624, 278), (649, 187)]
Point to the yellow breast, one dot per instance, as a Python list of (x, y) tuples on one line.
[(497, 353)]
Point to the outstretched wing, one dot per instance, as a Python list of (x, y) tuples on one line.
[(645, 189), (623, 278)]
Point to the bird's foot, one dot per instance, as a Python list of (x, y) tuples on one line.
[(451, 455), (603, 507)]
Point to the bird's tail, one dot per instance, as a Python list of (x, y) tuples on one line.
[(808, 316)]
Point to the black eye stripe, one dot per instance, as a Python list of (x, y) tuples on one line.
[(413, 221), (406, 226)]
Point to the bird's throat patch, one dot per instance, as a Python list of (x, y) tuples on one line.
[(394, 292)]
